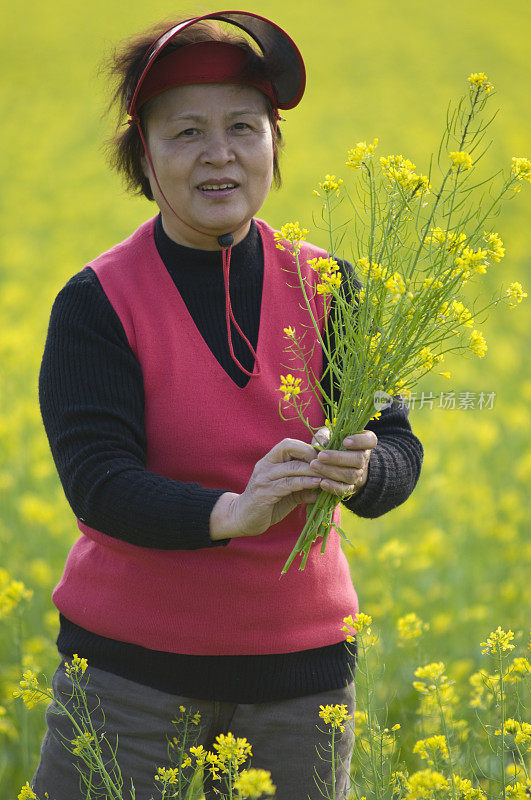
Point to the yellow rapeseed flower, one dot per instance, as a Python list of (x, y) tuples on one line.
[(360, 720), (521, 168), (77, 667), (7, 728), (477, 343), (429, 359), (214, 764), (231, 750), (81, 743), (289, 386), (454, 241), (328, 271), (199, 754), (377, 272), (511, 727), (434, 674), (253, 783), (360, 624), (395, 286), (473, 260), (461, 158), (466, 791), (519, 791), (498, 640), (519, 668), (169, 776), (520, 731), (335, 715), (484, 687), (495, 249), (425, 783), (393, 551), (357, 154), (480, 81), (330, 185), (523, 736), (400, 170), (432, 283), (30, 691), (27, 793), (461, 313), (290, 232), (410, 627), (290, 332), (516, 293), (431, 748), (11, 593)]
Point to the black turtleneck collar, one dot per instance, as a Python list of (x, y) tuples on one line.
[(189, 261)]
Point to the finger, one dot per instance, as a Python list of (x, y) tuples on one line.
[(337, 488), (353, 459), (339, 474), (289, 449), (307, 496), (286, 469), (361, 441), (321, 437), (298, 483)]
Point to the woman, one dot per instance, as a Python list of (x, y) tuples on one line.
[(159, 395)]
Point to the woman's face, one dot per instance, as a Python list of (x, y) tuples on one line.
[(209, 135)]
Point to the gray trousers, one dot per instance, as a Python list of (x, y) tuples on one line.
[(284, 737)]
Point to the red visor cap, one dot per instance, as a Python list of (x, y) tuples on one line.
[(289, 85), (199, 62)]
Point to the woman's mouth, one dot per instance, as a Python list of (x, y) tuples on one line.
[(218, 190)]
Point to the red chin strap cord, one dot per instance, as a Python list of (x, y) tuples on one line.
[(225, 241)]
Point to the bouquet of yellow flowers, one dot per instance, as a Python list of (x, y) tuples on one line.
[(418, 247)]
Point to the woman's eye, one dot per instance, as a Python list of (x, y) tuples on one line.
[(241, 126), (188, 132)]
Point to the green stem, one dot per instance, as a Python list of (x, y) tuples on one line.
[(370, 720), (182, 746), (333, 766), (24, 744), (502, 702), (445, 729)]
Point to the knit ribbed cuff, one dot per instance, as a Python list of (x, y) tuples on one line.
[(364, 502), (198, 508)]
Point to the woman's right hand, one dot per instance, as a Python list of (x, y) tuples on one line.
[(280, 481)]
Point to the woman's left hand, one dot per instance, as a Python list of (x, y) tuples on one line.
[(344, 472)]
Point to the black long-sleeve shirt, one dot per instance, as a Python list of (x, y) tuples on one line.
[(92, 403)]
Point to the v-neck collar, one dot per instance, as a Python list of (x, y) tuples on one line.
[(209, 264), (191, 265)]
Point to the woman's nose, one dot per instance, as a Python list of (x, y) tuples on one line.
[(218, 149)]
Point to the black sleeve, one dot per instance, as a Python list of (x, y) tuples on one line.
[(91, 396), (395, 462)]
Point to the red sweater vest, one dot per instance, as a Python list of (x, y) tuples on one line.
[(201, 427)]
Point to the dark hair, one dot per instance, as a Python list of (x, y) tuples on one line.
[(124, 66)]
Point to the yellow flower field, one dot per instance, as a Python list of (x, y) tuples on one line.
[(445, 577)]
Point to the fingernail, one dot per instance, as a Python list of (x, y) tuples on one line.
[(323, 456)]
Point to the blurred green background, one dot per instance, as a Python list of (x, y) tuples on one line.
[(457, 553)]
